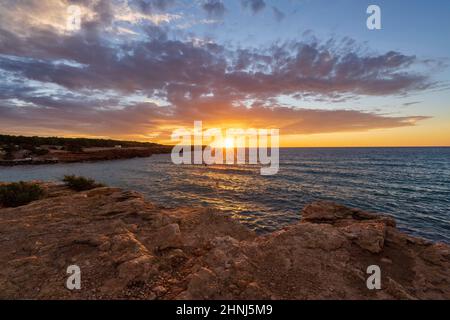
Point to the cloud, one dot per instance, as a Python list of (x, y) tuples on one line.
[(407, 104), (101, 82), (74, 116), (214, 8), (255, 5), (149, 6), (278, 14), (96, 15), (291, 68)]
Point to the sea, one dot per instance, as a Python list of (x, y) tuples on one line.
[(410, 184)]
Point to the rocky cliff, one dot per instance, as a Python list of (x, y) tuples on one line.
[(128, 248)]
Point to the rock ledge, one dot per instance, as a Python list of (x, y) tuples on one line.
[(128, 248)]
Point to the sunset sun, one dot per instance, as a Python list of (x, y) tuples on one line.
[(228, 143)]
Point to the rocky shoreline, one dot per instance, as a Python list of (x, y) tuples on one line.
[(104, 154), (128, 248)]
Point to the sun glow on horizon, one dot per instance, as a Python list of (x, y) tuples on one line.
[(228, 143)]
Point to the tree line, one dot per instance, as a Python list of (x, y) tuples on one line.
[(24, 142)]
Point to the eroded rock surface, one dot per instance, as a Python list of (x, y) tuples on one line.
[(128, 248)]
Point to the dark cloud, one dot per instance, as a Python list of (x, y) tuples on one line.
[(163, 4), (148, 6), (255, 5), (278, 14), (214, 8), (289, 68), (407, 104)]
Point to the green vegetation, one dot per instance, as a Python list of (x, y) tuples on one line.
[(9, 152), (74, 148), (40, 152), (19, 194), (22, 147), (22, 142), (81, 183)]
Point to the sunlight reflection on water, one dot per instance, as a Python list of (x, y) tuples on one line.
[(411, 184)]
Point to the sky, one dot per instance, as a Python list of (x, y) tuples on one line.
[(140, 69)]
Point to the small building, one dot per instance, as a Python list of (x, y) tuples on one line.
[(118, 146)]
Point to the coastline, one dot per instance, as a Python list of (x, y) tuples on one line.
[(102, 154), (127, 247)]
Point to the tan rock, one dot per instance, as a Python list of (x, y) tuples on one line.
[(202, 284), (128, 248), (169, 237), (137, 269), (369, 235)]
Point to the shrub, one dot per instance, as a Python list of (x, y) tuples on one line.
[(8, 156), (74, 148), (40, 152), (9, 152), (20, 193), (81, 183)]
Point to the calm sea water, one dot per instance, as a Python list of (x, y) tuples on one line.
[(410, 184)]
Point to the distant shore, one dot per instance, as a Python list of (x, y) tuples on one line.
[(21, 150), (88, 155)]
